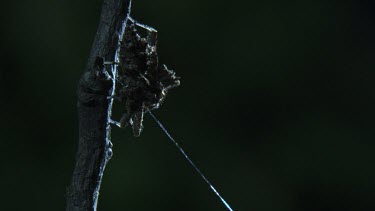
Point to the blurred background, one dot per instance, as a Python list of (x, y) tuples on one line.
[(276, 106)]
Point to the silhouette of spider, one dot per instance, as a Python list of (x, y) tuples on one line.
[(143, 82)]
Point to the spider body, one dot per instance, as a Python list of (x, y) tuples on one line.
[(144, 84)]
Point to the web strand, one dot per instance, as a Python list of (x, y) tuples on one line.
[(191, 162)]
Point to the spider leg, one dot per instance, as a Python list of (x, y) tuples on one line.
[(115, 123), (110, 63), (152, 38), (124, 121), (113, 97), (148, 28), (136, 122), (100, 63), (152, 33)]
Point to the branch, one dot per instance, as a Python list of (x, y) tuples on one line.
[(94, 108)]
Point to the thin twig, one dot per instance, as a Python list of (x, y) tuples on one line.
[(94, 108)]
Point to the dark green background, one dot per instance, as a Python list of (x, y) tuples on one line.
[(276, 106)]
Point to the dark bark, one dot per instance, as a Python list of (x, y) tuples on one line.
[(94, 108)]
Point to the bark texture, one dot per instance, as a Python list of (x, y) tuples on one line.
[(94, 108)]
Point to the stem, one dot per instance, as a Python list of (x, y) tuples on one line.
[(94, 108)]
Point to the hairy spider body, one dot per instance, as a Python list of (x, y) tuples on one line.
[(144, 84)]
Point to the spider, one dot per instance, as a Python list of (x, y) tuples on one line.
[(143, 82)]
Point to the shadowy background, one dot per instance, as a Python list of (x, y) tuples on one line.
[(276, 106)]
